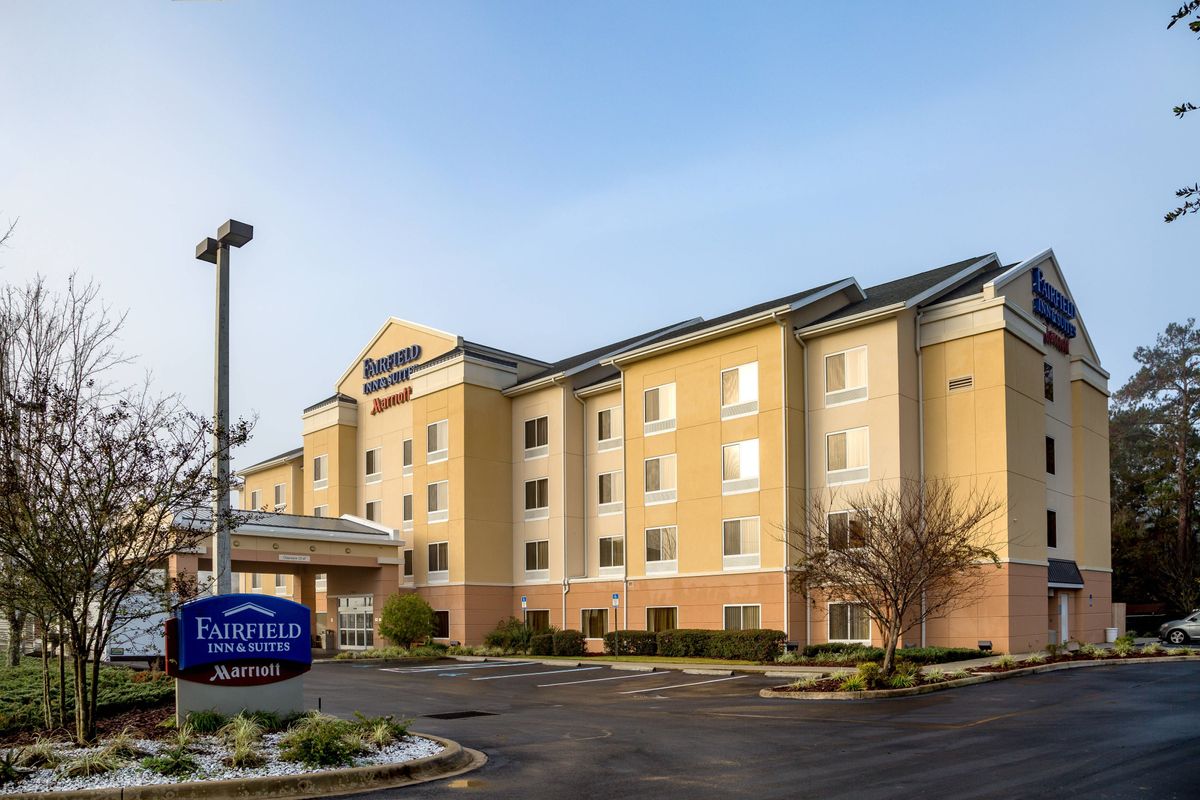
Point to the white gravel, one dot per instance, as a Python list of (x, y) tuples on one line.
[(208, 752)]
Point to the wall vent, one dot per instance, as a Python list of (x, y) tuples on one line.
[(965, 382)]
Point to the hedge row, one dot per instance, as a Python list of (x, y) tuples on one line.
[(557, 643), (751, 645)]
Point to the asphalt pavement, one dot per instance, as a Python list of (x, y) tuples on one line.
[(589, 731)]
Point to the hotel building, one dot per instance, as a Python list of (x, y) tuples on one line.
[(671, 469)]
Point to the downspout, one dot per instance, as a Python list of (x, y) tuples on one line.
[(787, 531), (920, 436), (807, 446)]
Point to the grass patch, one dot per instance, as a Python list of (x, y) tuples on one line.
[(121, 689)]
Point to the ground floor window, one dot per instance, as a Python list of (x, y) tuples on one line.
[(356, 622), (742, 618), (662, 619), (537, 620), (594, 622), (441, 624), (849, 622)]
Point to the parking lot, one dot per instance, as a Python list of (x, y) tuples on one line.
[(559, 730)]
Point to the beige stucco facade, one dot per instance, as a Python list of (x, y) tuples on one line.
[(673, 469)]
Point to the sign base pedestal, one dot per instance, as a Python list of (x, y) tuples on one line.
[(283, 698)]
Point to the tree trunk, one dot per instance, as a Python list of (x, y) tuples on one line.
[(62, 677), (16, 635), (79, 671), (892, 634), (47, 709)]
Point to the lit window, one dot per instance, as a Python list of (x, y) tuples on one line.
[(437, 437), (280, 497), (847, 530), (537, 559), (662, 553), (846, 377), (739, 467), (741, 543), (374, 465), (739, 391), (849, 622), (660, 479), (847, 456), (659, 406), (321, 471), (742, 618), (594, 622), (537, 437)]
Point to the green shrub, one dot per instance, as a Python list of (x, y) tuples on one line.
[(1090, 650), (905, 667), (831, 647), (959, 674), (1035, 659), (852, 683), (405, 619), (183, 737), (373, 652), (206, 722), (1152, 649), (542, 644), (242, 729), (174, 763), (430, 650), (1180, 651), (120, 689), (805, 682), (10, 772), (509, 636), (869, 672), (379, 729), (42, 754), (761, 644), (123, 745), (903, 680), (685, 643), (632, 643), (319, 741), (568, 643), (243, 755), (933, 675), (94, 762), (1005, 662), (1053, 650), (1123, 647)]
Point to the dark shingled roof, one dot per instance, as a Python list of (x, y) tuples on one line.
[(899, 291), (345, 398), (976, 284), (749, 311), (287, 455), (570, 362), (251, 522), (1064, 572)]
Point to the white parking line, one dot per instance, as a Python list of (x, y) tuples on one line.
[(455, 667), (595, 680), (681, 685), (527, 674)]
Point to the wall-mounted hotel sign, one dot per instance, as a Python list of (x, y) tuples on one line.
[(388, 371), (1056, 309)]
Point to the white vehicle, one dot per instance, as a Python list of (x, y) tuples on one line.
[(139, 634)]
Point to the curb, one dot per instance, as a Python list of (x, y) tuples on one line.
[(700, 671), (882, 694), (453, 760), (633, 667)]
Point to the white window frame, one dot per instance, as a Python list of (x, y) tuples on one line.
[(829, 618), (738, 561), (662, 566), (436, 456), (406, 466), (662, 424), (441, 514), (378, 510), (849, 474), (279, 507), (406, 523), (377, 476), (660, 496), (617, 504), (745, 406), (321, 510), (256, 500), (851, 394), (437, 575), (612, 570), (322, 482), (583, 627), (537, 575), (743, 483), (280, 588), (615, 428), (538, 450), (829, 532), (536, 512), (725, 609)]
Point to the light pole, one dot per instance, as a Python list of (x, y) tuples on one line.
[(216, 251)]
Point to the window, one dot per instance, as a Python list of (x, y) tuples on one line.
[(537, 620), (281, 584), (847, 529), (406, 461), (593, 622), (739, 391), (1050, 455), (739, 467), (846, 377), (660, 409), (439, 562), (439, 501), (256, 500), (847, 456), (537, 437), (321, 582), (537, 560), (612, 555), (608, 429), (660, 480), (320, 511), (848, 622), (537, 499), (374, 510), (441, 624), (280, 497), (374, 465), (662, 619), (408, 564), (255, 581), (1048, 382), (610, 493), (742, 618), (356, 622), (1051, 528), (406, 512), (741, 546), (661, 552), (321, 471), (437, 437)]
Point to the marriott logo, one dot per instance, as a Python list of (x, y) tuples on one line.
[(224, 673)]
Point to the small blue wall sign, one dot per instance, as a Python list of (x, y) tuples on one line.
[(240, 640)]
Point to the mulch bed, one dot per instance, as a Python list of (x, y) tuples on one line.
[(143, 720)]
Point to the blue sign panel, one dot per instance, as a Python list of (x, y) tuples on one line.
[(244, 627)]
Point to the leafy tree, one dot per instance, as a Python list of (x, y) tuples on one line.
[(406, 619), (923, 549), (1155, 440), (1189, 194)]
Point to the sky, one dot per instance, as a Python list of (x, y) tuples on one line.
[(496, 169)]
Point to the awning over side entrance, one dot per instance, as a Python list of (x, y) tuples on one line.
[(1064, 574)]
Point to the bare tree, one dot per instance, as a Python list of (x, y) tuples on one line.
[(908, 552), (93, 474)]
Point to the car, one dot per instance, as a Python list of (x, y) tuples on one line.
[(1183, 630)]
